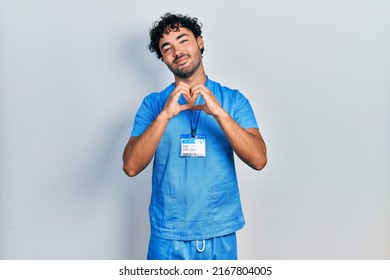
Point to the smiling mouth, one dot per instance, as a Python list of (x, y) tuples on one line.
[(181, 60)]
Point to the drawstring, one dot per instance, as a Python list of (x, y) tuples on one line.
[(203, 246)]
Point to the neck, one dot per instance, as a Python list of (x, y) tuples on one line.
[(198, 77)]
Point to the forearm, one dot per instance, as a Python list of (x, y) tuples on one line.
[(248, 144), (140, 150)]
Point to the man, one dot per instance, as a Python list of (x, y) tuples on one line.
[(192, 128)]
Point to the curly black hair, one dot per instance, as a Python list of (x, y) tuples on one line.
[(172, 22)]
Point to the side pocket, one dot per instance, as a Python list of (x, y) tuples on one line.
[(226, 202), (163, 210)]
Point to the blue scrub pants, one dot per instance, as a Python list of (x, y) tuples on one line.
[(218, 248)]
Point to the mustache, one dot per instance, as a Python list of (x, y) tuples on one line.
[(179, 57)]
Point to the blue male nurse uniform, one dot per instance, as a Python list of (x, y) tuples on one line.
[(194, 198)]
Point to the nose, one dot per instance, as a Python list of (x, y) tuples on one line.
[(176, 54), (177, 51)]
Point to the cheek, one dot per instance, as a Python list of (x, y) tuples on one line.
[(164, 59)]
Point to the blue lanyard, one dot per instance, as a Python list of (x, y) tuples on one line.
[(194, 115)]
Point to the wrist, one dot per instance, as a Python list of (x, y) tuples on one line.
[(221, 115), (163, 116)]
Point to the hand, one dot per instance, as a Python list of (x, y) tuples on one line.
[(172, 106), (211, 105)]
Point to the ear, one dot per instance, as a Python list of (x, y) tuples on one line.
[(200, 42)]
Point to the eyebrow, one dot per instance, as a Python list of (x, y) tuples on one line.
[(177, 38)]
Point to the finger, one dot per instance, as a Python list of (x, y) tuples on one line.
[(198, 107), (192, 88), (195, 91), (187, 93), (185, 90), (194, 85), (183, 86), (185, 107), (201, 89), (174, 98), (180, 91)]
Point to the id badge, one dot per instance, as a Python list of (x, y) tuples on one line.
[(193, 146)]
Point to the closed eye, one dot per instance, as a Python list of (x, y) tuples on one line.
[(165, 47)]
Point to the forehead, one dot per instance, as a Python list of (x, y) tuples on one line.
[(171, 34)]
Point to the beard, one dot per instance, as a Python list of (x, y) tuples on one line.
[(189, 69)]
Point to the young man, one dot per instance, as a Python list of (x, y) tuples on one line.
[(192, 128)]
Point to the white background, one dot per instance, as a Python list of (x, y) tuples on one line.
[(73, 73)]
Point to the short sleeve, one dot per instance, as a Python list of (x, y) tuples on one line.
[(144, 117), (243, 113)]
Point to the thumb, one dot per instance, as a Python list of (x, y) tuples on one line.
[(185, 107), (198, 107)]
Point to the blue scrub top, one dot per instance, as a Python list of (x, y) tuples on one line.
[(194, 198)]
